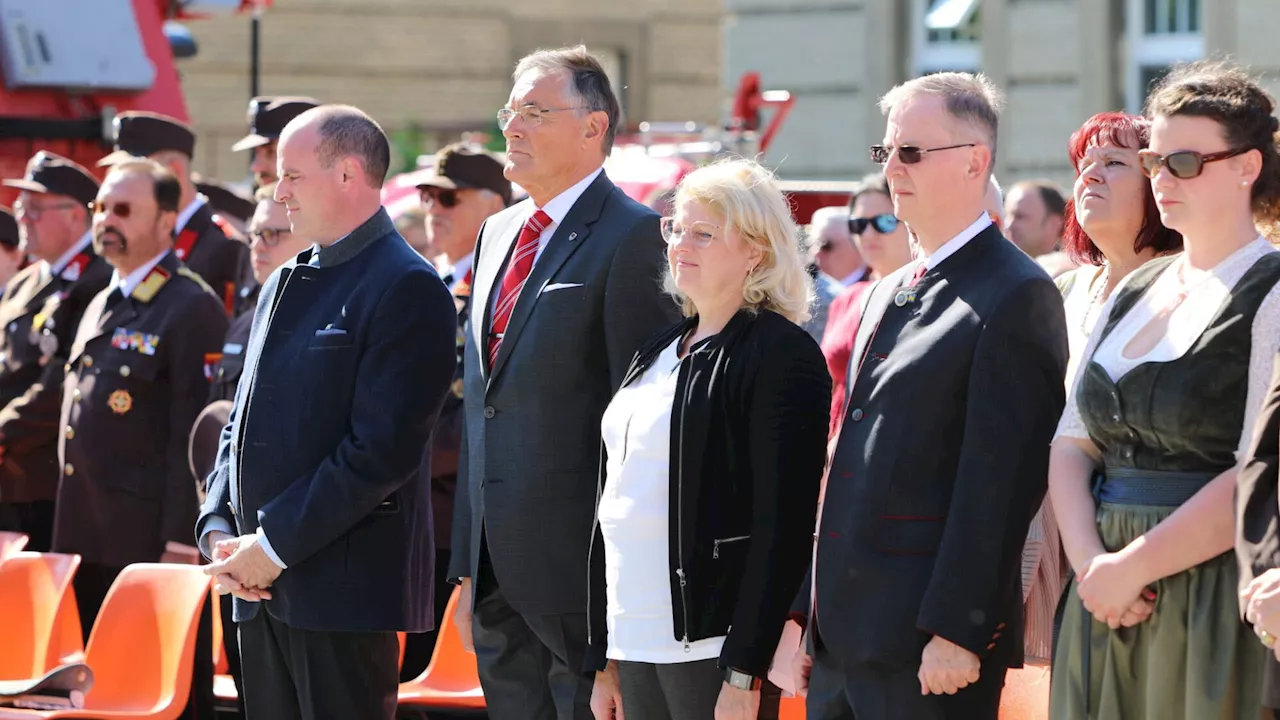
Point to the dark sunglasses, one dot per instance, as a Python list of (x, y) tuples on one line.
[(908, 154), (122, 209), (884, 224), (446, 198), (270, 237), (1184, 164)]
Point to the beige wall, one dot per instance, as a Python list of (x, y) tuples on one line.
[(442, 64)]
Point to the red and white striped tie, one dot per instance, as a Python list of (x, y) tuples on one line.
[(518, 269)]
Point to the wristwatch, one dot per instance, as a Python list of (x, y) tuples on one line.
[(741, 680)]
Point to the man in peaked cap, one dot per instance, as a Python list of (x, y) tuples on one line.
[(39, 312), (267, 117), (463, 188), (231, 208), (199, 243)]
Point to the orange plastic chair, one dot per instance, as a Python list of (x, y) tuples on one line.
[(1026, 694), (32, 586), (142, 646), (451, 681), (66, 645), (11, 542), (791, 708)]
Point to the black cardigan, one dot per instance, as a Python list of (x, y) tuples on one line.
[(748, 447)]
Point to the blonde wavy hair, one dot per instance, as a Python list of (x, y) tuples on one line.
[(745, 195)]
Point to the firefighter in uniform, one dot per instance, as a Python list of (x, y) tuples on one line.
[(231, 209), (136, 380), (39, 312), (200, 244), (267, 117)]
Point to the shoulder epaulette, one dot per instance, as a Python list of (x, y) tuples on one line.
[(191, 275), (151, 284)]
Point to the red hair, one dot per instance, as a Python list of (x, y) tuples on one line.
[(1118, 129)]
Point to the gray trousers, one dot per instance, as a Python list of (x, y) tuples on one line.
[(681, 691)]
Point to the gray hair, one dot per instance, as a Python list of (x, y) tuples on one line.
[(590, 88), (347, 131), (971, 99)]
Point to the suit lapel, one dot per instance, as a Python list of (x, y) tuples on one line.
[(489, 264), (568, 237), (881, 294)]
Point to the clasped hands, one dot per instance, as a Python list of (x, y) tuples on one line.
[(1114, 590), (1261, 600), (241, 567)]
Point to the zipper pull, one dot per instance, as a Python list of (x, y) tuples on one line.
[(686, 643), (715, 550)]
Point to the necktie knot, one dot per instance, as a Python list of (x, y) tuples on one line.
[(519, 265)]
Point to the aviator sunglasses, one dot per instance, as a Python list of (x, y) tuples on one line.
[(1184, 164), (908, 154), (446, 198), (884, 224)]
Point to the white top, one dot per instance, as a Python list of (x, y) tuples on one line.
[(1081, 314), (1207, 290), (130, 282), (459, 270), (950, 248), (558, 208), (855, 276), (634, 511)]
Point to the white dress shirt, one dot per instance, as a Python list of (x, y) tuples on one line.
[(950, 248), (130, 282), (558, 208), (61, 263), (184, 216), (459, 270)]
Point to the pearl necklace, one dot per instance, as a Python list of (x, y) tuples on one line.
[(1096, 300)]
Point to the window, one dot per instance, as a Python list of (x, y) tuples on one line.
[(948, 35), (1160, 33)]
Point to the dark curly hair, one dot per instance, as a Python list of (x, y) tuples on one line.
[(1222, 91), (1118, 129)]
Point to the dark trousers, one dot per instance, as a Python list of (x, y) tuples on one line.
[(34, 519), (292, 674), (530, 665), (231, 647), (681, 691), (872, 691), (419, 646), (91, 583)]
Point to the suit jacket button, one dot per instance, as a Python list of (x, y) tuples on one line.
[(489, 412), (71, 433), (68, 470), (856, 415)]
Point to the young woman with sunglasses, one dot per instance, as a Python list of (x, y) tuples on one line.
[(882, 240), (1165, 401)]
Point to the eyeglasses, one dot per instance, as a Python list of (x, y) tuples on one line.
[(530, 114), (270, 237), (446, 198), (1184, 164), (700, 234), (35, 212), (884, 224), (121, 209), (908, 154)]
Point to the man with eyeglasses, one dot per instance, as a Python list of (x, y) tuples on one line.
[(837, 265), (198, 242), (566, 290), (135, 382), (39, 312), (941, 456)]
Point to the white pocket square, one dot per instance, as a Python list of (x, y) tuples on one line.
[(560, 286)]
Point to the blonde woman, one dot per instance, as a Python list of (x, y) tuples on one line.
[(714, 451)]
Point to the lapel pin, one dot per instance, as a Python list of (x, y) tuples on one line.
[(573, 236)]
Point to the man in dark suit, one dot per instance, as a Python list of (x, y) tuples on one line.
[(39, 312), (956, 386), (135, 383), (463, 188), (268, 116), (322, 472), (566, 290), (200, 244)]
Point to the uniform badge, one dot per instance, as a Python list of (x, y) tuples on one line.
[(125, 339), (120, 402)]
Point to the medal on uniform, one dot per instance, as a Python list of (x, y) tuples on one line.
[(120, 402), (48, 346)]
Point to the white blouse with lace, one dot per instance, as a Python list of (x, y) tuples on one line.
[(1206, 291)]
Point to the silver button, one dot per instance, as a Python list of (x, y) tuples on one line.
[(1116, 417), (124, 371), (856, 415), (489, 412)]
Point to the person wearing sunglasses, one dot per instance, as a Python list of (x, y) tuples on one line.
[(938, 465), (831, 251), (1163, 411), (39, 312), (883, 242)]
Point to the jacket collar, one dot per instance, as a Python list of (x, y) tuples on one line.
[(378, 225)]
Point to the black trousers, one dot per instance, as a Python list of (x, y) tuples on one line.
[(34, 519), (91, 583), (419, 646), (681, 691), (530, 665), (872, 691), (292, 674), (231, 647)]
